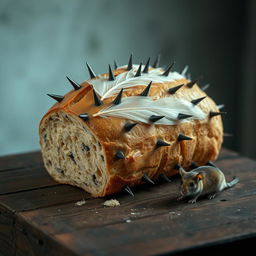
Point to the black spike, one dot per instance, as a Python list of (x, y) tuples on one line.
[(111, 76), (97, 101), (164, 177), (74, 84), (146, 90), (174, 89), (157, 61), (183, 116), (147, 179), (138, 73), (193, 165), (183, 137), (212, 113), (129, 67), (128, 190), (210, 163), (118, 98), (91, 73), (145, 70), (129, 126), (155, 118), (119, 154), (191, 84), (115, 64), (84, 116), (197, 101), (161, 143), (167, 71), (56, 97)]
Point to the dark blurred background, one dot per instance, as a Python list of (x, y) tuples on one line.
[(43, 41)]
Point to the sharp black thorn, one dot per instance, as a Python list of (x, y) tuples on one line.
[(174, 89), (145, 70), (129, 126), (183, 137), (161, 143), (91, 73), (183, 116), (56, 97), (128, 190), (167, 71), (115, 64), (146, 90), (157, 61), (129, 67), (164, 177), (193, 165), (191, 84), (212, 113), (75, 85), (138, 73), (155, 118), (210, 163), (84, 116), (118, 98), (97, 100), (205, 87), (197, 101), (111, 76), (147, 179), (119, 154)]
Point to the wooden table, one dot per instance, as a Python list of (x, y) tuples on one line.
[(39, 216)]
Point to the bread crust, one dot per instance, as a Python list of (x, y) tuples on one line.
[(139, 144)]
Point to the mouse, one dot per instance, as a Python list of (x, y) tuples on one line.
[(201, 181)]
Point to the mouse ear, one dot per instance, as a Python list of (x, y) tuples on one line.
[(199, 176)]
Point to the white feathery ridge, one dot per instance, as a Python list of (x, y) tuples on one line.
[(107, 89), (140, 108)]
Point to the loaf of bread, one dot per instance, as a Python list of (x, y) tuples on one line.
[(129, 125)]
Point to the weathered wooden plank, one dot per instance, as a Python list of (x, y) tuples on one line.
[(20, 160), (28, 178)]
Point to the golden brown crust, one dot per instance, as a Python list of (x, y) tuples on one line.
[(139, 144)]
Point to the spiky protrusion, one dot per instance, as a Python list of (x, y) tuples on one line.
[(56, 97), (183, 116), (138, 73), (212, 113), (157, 61), (191, 84), (167, 71), (97, 101), (197, 101), (161, 143), (129, 67), (75, 85), (183, 137), (111, 76), (129, 126), (174, 89), (91, 73), (118, 98), (210, 163), (146, 90), (119, 154), (155, 118), (84, 116), (115, 64), (205, 87), (147, 179), (164, 177), (127, 189), (145, 70)]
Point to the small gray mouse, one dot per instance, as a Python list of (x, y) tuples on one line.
[(204, 180)]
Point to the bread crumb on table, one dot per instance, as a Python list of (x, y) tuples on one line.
[(80, 203), (111, 203)]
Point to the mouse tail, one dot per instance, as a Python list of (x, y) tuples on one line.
[(233, 182)]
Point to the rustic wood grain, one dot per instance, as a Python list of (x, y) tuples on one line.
[(39, 217)]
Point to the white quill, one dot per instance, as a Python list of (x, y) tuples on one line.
[(140, 108), (107, 88)]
